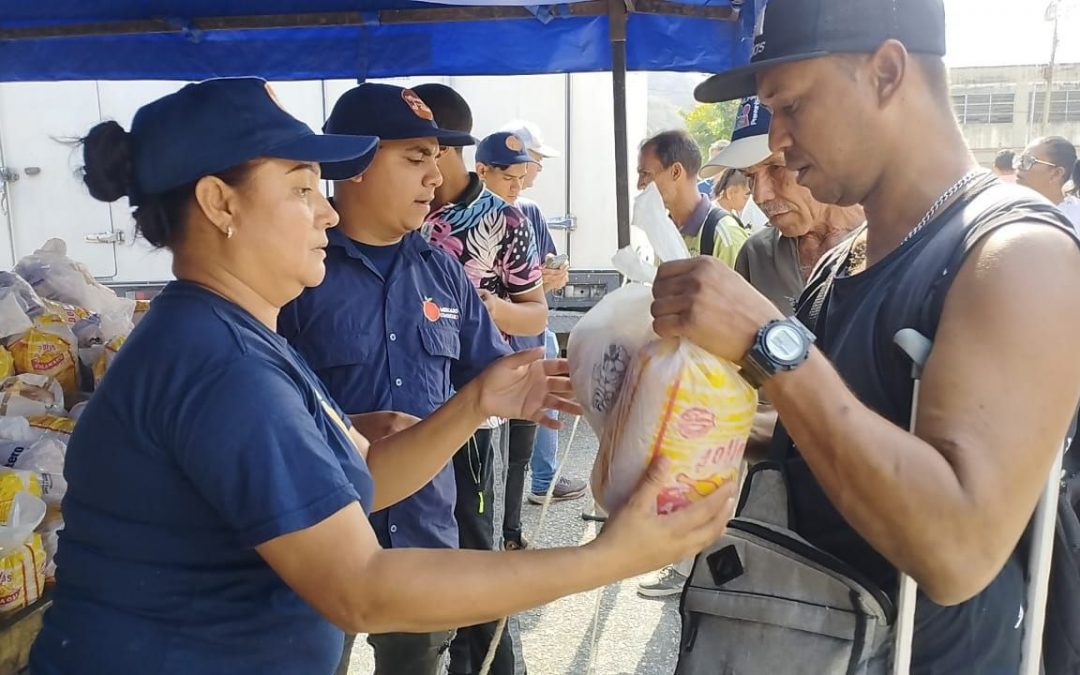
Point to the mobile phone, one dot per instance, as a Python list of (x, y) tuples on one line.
[(557, 262)]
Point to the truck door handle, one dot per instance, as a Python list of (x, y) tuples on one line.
[(106, 238)]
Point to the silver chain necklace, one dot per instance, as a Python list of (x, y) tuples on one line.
[(957, 187)]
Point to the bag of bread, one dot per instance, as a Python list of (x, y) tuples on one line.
[(646, 397), (48, 348), (22, 554), (28, 395)]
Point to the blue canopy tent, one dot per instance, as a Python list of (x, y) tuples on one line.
[(316, 39)]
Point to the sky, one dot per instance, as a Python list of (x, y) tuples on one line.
[(1008, 32)]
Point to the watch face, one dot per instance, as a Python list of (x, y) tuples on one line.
[(785, 343)]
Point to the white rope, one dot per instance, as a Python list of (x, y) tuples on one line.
[(485, 668)]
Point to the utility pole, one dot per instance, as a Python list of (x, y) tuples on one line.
[(1053, 13)]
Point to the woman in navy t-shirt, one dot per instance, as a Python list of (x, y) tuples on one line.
[(217, 496)]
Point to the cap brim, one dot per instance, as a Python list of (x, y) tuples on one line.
[(454, 139), (338, 154), (742, 82), (741, 154), (546, 151)]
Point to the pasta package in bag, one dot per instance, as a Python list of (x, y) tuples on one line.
[(22, 554), (646, 397), (105, 359), (49, 348), (679, 402), (7, 363), (12, 484)]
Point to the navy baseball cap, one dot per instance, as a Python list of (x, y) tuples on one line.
[(749, 139), (389, 112), (503, 149), (215, 125), (798, 30)]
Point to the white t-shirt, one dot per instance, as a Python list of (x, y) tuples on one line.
[(1071, 208)]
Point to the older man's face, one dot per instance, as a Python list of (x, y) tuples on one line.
[(777, 192)]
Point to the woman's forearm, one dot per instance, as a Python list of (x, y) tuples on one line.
[(403, 463)]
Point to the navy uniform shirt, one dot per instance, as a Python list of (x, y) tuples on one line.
[(396, 342), (208, 436)]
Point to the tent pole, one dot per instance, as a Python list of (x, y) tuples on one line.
[(617, 14)]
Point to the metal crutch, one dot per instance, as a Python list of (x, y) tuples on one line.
[(917, 347)]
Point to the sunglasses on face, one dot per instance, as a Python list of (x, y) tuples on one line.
[(1028, 162)]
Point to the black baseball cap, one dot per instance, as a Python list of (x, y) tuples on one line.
[(215, 125), (388, 112), (797, 30)]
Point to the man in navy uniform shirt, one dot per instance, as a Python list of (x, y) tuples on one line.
[(396, 324)]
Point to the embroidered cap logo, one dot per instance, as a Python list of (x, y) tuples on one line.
[(514, 143), (417, 104)]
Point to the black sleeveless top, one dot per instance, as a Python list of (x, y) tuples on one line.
[(859, 317)]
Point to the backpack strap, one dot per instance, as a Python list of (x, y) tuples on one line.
[(708, 231)]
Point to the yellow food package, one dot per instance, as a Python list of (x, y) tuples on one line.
[(107, 355), (681, 402), (22, 575), (12, 482), (49, 348), (7, 363), (141, 308), (53, 423), (69, 313)]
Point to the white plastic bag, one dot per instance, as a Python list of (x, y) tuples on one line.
[(645, 397), (45, 457), (29, 395), (57, 277)]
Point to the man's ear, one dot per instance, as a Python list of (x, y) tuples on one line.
[(888, 68), (678, 171)]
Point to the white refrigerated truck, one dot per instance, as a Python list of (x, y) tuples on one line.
[(42, 196)]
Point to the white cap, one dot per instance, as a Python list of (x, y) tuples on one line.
[(530, 135), (749, 140)]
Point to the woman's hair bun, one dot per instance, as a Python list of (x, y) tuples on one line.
[(108, 167)]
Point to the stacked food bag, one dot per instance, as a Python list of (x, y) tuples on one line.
[(648, 398), (59, 332)]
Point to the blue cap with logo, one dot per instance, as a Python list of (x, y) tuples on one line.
[(502, 149), (215, 125), (749, 138), (798, 30), (389, 112)]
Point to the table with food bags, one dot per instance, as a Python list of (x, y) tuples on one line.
[(59, 332)]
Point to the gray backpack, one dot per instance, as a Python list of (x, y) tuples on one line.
[(764, 600)]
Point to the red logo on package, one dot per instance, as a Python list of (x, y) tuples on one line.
[(696, 422)]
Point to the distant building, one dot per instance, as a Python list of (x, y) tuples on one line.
[(1002, 107)]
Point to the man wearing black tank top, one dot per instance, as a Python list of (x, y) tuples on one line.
[(947, 250)]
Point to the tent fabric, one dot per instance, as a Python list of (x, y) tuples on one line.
[(551, 42)]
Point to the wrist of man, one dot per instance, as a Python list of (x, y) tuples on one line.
[(778, 346)]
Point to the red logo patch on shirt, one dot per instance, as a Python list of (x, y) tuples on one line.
[(514, 143), (431, 310), (417, 104)]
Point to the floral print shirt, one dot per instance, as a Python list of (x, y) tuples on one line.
[(492, 239)]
